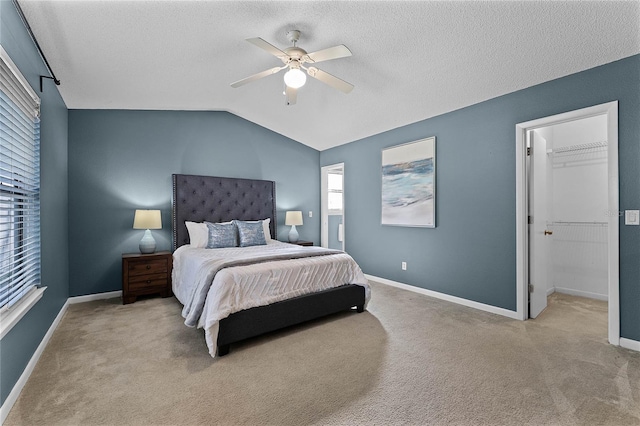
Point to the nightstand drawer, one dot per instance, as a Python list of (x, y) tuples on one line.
[(157, 280), (148, 267), (148, 277)]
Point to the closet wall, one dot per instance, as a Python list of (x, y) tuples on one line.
[(577, 153)]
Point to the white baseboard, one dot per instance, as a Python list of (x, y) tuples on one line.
[(448, 298), (581, 293), (17, 388), (97, 296), (630, 344)]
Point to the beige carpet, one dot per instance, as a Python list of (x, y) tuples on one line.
[(409, 360)]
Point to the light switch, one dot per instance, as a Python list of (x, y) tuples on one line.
[(310, 213), (632, 217)]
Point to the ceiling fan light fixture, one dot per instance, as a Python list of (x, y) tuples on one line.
[(295, 78), (293, 59)]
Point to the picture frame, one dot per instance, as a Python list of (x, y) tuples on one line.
[(408, 195)]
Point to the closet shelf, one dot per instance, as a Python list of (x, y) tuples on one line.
[(584, 147)]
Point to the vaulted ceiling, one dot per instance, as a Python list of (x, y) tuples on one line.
[(411, 60)]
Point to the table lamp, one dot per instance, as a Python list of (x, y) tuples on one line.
[(292, 219)]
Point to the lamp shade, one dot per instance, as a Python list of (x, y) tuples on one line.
[(147, 219), (293, 218)]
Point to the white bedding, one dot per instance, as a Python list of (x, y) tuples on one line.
[(242, 287)]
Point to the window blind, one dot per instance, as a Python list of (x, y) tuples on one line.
[(19, 185)]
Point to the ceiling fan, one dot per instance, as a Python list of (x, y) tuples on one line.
[(294, 58)]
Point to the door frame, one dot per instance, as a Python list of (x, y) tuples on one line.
[(610, 109), (324, 204)]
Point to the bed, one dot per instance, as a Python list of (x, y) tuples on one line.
[(217, 200)]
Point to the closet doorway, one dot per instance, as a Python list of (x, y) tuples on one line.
[(332, 187), (567, 198)]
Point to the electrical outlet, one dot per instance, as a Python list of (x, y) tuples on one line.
[(310, 213), (404, 266)]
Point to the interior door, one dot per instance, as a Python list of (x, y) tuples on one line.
[(538, 232)]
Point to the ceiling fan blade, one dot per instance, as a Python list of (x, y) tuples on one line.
[(256, 77), (329, 79), (292, 95), (257, 41), (334, 52)]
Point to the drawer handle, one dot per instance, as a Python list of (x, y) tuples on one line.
[(148, 266), (148, 281)]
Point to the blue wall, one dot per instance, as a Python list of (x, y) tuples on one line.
[(18, 346), (123, 160), (472, 251)]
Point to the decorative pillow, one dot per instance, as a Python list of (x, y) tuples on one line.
[(250, 233), (198, 234), (265, 228), (221, 235)]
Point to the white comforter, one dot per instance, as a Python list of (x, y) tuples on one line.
[(237, 288)]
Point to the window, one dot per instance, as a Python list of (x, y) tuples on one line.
[(334, 187), (19, 192)]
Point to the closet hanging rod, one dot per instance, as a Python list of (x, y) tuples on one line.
[(33, 38)]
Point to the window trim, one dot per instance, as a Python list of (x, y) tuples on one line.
[(16, 72), (11, 315)]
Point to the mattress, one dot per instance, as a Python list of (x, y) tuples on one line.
[(210, 293)]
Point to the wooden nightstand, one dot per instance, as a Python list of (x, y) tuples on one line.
[(303, 243), (146, 274)]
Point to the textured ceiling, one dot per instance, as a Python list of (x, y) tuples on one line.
[(411, 60)]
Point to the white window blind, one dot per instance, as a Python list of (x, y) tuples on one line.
[(19, 185)]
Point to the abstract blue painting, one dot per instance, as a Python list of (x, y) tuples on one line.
[(408, 184)]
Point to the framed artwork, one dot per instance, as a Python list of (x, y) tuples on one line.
[(409, 184)]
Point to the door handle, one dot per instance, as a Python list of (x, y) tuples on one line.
[(546, 232)]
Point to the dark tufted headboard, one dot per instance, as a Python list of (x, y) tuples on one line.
[(220, 199)]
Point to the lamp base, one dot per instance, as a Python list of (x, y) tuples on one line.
[(293, 234), (147, 243)]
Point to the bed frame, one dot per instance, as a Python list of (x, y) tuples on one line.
[(220, 199)]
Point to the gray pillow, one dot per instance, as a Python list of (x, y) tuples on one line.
[(250, 233), (222, 235)]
